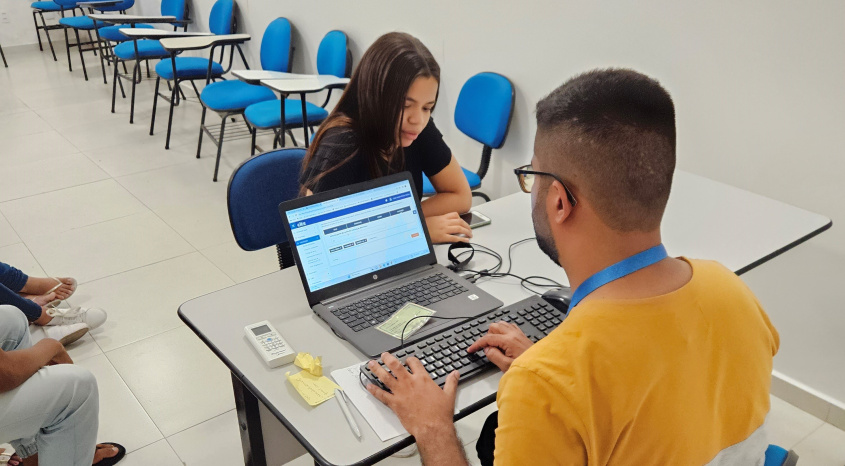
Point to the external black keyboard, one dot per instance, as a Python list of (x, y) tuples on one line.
[(447, 350), (374, 310)]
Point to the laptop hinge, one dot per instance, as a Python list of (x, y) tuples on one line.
[(373, 286)]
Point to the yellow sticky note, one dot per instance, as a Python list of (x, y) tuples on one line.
[(313, 389), (312, 365)]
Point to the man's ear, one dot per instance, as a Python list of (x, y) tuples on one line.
[(558, 202)]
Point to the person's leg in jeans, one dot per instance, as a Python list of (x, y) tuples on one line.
[(55, 412)]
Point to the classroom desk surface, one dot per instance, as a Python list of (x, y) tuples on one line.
[(704, 219), (132, 19)]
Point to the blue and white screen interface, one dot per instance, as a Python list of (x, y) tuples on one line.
[(360, 233)]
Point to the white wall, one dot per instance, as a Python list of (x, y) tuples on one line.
[(759, 88)]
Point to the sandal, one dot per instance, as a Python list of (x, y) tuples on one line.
[(121, 452), (56, 302)]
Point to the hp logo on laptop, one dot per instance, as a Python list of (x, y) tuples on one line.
[(375, 277)]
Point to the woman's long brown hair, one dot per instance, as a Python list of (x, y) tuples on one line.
[(374, 100)]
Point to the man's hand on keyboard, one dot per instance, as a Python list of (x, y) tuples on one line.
[(503, 343), (420, 404)]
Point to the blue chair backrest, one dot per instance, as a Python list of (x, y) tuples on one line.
[(332, 56), (173, 8), (124, 5), (220, 20), (484, 108), (276, 46), (256, 189)]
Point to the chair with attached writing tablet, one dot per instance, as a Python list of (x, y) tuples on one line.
[(483, 112), (256, 189)]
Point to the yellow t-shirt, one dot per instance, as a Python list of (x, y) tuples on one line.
[(672, 379)]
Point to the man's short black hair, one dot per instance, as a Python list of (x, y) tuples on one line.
[(616, 128)]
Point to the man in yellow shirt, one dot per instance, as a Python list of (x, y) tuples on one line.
[(661, 360)]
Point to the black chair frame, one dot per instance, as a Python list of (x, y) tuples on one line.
[(47, 28), (487, 151)]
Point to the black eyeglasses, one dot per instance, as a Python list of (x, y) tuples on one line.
[(525, 175)]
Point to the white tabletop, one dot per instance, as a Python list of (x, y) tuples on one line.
[(312, 83), (704, 219), (201, 42), (145, 33), (130, 19), (99, 3), (256, 76)]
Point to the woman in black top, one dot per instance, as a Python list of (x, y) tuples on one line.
[(382, 125)]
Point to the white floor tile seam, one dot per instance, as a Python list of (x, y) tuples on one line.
[(197, 424), (140, 266), (79, 226), (152, 335)]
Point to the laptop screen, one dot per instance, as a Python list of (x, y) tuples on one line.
[(343, 238)]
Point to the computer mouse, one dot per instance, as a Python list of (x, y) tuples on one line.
[(559, 298)]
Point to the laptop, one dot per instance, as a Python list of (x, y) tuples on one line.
[(363, 252)]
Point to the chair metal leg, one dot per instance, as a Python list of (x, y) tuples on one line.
[(81, 56), (155, 101), (304, 120), (4, 57), (136, 75), (147, 62), (37, 31), (124, 67), (115, 79), (293, 139), (481, 195), (67, 47), (170, 116), (202, 130), (219, 148), (254, 132), (49, 40), (102, 55), (91, 40)]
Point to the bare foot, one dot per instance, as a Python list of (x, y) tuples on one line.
[(44, 299), (39, 286), (104, 451)]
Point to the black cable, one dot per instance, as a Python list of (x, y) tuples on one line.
[(402, 336), (493, 272)]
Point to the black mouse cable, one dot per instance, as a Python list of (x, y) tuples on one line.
[(493, 272)]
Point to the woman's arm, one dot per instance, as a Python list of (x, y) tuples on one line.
[(453, 193)]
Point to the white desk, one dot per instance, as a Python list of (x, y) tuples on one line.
[(144, 33), (132, 19), (256, 76), (703, 216), (199, 42)]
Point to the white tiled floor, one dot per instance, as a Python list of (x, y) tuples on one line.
[(84, 193)]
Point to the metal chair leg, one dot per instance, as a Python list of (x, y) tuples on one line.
[(219, 148), (170, 116), (115, 79), (81, 57), (102, 55), (254, 132), (155, 101), (37, 31), (136, 71), (47, 33), (91, 40), (4, 57), (67, 47), (202, 125)]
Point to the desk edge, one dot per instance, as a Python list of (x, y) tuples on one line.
[(782, 250)]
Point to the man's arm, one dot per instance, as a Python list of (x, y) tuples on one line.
[(18, 366)]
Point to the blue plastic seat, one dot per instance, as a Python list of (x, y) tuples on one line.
[(483, 112), (113, 34), (46, 6), (266, 115), (333, 58), (146, 49), (188, 68), (256, 189), (229, 98), (81, 22), (777, 456)]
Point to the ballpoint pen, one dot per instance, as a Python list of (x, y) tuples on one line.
[(341, 400)]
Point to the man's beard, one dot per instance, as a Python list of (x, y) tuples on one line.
[(544, 234)]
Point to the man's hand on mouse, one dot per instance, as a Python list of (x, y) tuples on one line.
[(503, 343)]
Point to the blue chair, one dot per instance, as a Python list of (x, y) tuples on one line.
[(334, 58), (85, 23), (777, 456), (176, 69), (229, 98), (483, 112), (41, 7), (140, 50), (256, 189)]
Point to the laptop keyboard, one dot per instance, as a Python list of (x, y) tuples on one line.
[(446, 351), (371, 311)]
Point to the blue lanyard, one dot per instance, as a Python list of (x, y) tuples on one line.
[(618, 270)]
